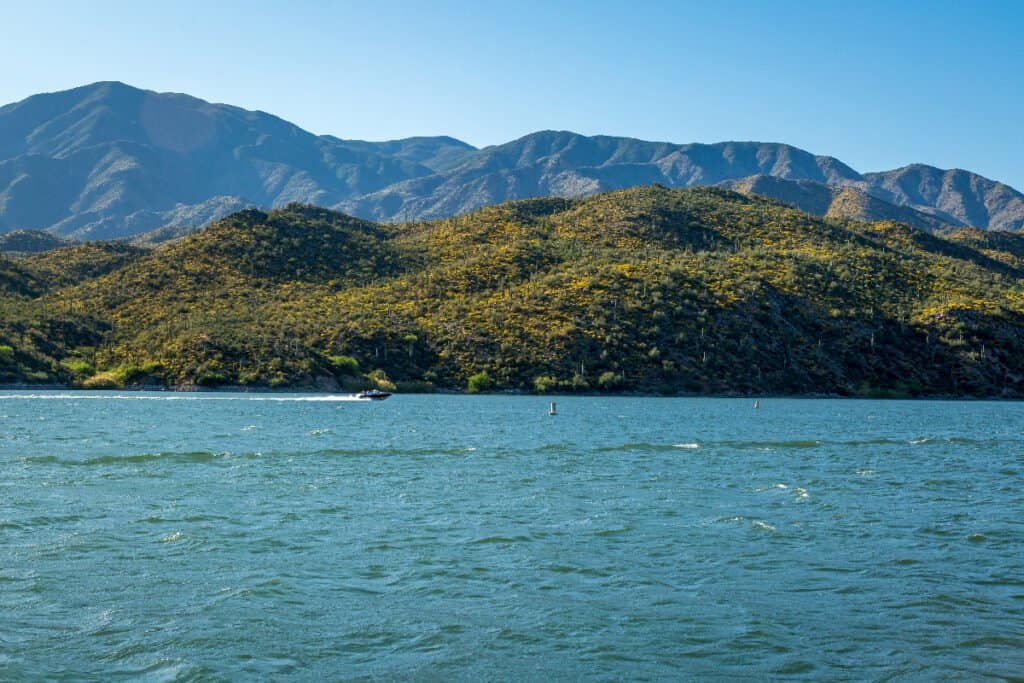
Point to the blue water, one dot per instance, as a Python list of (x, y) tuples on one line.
[(231, 537)]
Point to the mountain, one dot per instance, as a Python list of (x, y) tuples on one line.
[(836, 201), (646, 289), (108, 161), (559, 163), (955, 196), (569, 165), (436, 153)]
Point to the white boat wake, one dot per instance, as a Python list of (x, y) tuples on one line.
[(330, 398)]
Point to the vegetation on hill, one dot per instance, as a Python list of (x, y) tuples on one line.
[(19, 242), (647, 289), (1006, 247)]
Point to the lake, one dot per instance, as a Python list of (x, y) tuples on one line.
[(427, 537)]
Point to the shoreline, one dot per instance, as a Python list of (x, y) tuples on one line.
[(239, 389)]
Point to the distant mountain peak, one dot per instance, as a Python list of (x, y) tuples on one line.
[(109, 160)]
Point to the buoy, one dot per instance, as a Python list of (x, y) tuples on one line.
[(551, 410)]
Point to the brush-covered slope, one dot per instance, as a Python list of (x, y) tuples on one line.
[(37, 334), (647, 289), (81, 262), (1006, 247), (29, 242)]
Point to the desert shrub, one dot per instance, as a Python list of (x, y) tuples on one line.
[(544, 383), (77, 367), (380, 380), (344, 365), (481, 381), (107, 379)]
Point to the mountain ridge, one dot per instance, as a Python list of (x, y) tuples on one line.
[(108, 160), (836, 201), (114, 161)]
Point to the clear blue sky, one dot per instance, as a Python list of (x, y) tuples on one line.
[(877, 84)]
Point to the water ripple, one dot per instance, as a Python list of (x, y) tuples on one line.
[(476, 538)]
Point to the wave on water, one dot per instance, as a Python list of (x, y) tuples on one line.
[(393, 451), (751, 522), (645, 447), (793, 444), (728, 445), (797, 492), (212, 457), (137, 458), (770, 445), (853, 443), (955, 440)]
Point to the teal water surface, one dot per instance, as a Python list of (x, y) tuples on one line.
[(273, 537)]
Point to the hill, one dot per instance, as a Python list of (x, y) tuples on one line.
[(647, 289), (29, 242), (108, 161)]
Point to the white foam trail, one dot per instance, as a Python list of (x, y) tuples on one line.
[(178, 397)]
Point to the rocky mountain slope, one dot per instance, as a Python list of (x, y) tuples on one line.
[(108, 160), (111, 161), (836, 201), (565, 164)]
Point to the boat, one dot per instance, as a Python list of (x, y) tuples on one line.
[(373, 395)]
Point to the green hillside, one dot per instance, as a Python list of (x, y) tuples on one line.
[(647, 289)]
